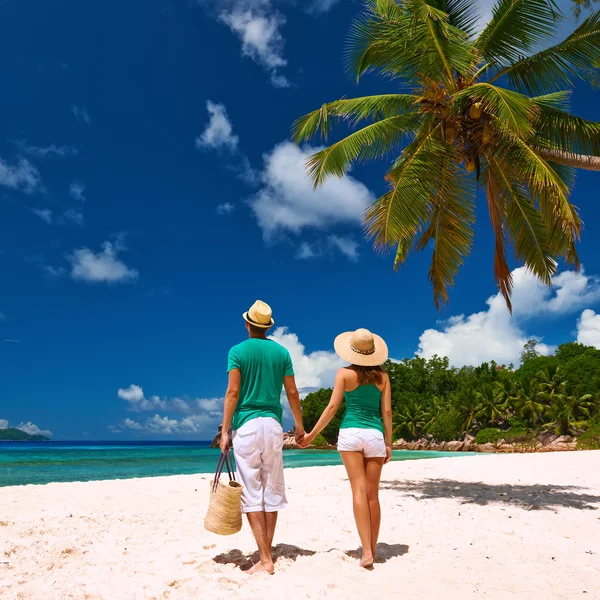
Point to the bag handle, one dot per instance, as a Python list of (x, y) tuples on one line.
[(224, 461)]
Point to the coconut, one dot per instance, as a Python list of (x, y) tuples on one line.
[(486, 136), (476, 110), (470, 165), (451, 133)]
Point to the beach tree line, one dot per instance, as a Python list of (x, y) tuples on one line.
[(557, 394)]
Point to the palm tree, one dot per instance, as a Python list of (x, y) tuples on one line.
[(432, 412), (486, 101), (527, 403), (568, 409), (550, 384), (491, 407), (409, 419), (467, 405)]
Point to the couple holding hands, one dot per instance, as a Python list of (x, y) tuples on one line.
[(258, 369)]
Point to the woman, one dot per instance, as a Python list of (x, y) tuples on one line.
[(365, 439)]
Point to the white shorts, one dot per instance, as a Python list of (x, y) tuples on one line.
[(368, 441), (258, 445)]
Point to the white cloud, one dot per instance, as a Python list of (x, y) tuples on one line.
[(346, 245), (288, 202), (73, 216), (137, 401), (134, 395), (11, 341), (3, 424), (77, 189), (210, 405), (199, 424), (219, 132), (103, 266), (32, 429), (225, 208), (306, 251), (23, 176), (314, 370), (494, 334), (81, 114), (588, 328), (51, 150), (44, 214), (258, 26)]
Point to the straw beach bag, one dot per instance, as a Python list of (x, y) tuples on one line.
[(224, 515)]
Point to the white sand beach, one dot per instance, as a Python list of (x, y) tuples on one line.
[(522, 526)]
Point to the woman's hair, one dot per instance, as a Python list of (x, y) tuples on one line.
[(368, 375)]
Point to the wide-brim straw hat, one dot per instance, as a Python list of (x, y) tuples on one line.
[(259, 315), (361, 347)]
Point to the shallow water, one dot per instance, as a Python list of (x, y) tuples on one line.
[(44, 462)]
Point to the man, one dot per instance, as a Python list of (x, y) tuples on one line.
[(258, 368)]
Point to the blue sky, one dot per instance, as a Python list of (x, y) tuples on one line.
[(150, 194)]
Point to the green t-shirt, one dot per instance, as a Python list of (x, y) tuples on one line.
[(263, 364)]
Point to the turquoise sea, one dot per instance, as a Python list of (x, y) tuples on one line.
[(45, 462)]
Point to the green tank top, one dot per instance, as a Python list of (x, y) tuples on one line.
[(363, 408)]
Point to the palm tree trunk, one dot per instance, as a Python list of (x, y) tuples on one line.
[(570, 159)]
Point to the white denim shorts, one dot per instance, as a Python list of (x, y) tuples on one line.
[(368, 441), (258, 446)]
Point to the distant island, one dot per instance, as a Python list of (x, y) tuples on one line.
[(12, 434)]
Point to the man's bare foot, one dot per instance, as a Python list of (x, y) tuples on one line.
[(366, 562), (262, 567)]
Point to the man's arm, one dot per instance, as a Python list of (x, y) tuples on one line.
[(291, 391), (231, 399)]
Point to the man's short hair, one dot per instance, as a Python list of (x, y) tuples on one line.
[(257, 330)]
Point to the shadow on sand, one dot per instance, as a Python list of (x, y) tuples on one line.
[(246, 561), (384, 552), (528, 497)]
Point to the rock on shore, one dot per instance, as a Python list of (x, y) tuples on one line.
[(552, 443)]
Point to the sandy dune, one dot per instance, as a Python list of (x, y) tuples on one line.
[(505, 526)]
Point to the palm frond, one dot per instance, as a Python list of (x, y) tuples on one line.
[(451, 227), (370, 142), (353, 110), (508, 109), (515, 28), (553, 68), (497, 209), (413, 37), (563, 131), (397, 215), (529, 234)]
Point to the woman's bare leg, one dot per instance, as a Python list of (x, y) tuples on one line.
[(373, 468), (355, 467)]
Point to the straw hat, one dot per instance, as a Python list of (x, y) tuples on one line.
[(361, 347), (260, 315)]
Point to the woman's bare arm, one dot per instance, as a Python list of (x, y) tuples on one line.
[(386, 415), (329, 412)]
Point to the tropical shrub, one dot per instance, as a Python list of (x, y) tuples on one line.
[(489, 435)]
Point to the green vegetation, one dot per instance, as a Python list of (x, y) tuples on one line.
[(320, 442), (488, 435), (558, 395), (485, 110), (12, 434)]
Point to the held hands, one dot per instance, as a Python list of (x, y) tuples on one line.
[(307, 440), (299, 434), (388, 455)]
